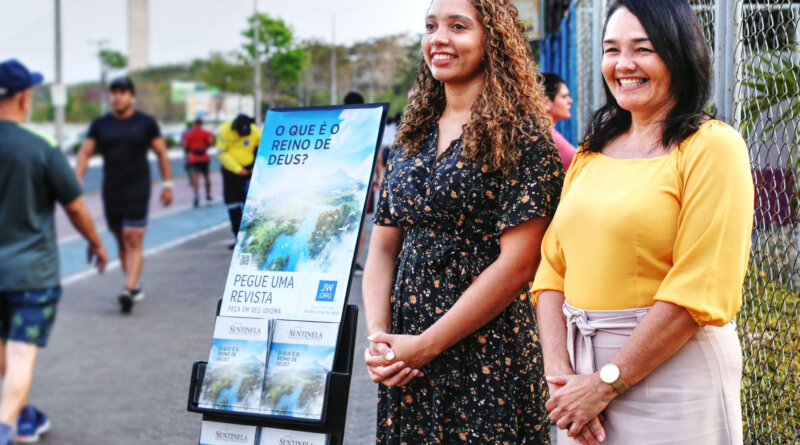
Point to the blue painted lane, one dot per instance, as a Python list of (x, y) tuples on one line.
[(161, 230)]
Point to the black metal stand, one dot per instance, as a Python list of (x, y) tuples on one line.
[(337, 390)]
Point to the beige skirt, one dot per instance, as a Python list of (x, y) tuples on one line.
[(692, 398)]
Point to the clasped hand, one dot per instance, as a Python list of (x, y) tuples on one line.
[(395, 360), (576, 405)]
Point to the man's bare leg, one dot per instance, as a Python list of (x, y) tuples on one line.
[(207, 177), (132, 239), (121, 252), (19, 360)]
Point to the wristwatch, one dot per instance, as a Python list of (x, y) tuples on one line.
[(610, 374)]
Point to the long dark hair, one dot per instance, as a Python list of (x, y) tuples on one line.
[(552, 83), (677, 39)]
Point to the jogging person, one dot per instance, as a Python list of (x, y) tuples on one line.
[(237, 144), (34, 175), (196, 143), (123, 138)]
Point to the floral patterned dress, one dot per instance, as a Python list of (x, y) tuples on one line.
[(489, 388)]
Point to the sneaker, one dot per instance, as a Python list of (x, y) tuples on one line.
[(31, 424), (129, 297), (137, 295), (358, 270), (231, 246), (209, 198), (196, 201)]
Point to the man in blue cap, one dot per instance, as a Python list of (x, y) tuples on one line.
[(35, 174)]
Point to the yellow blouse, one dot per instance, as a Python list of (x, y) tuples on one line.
[(675, 228)]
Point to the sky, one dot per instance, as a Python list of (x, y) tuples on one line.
[(182, 30)]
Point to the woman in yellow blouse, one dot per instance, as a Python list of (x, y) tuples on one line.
[(643, 263)]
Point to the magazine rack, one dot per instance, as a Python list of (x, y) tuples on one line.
[(337, 390)]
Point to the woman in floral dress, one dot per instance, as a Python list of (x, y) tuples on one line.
[(465, 201)]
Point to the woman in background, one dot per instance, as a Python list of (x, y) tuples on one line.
[(559, 105)]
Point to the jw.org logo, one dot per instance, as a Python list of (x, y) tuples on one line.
[(238, 329), (231, 436), (326, 291)]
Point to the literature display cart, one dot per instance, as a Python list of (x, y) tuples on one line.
[(337, 390), (281, 356)]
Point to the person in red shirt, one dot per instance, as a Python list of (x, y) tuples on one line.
[(559, 104), (196, 142)]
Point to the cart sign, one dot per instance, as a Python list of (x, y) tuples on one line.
[(303, 213)]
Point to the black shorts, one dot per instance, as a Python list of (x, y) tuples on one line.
[(132, 214), (199, 167)]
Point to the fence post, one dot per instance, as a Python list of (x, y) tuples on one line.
[(726, 24), (598, 10)]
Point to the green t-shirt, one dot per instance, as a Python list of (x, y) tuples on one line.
[(34, 174)]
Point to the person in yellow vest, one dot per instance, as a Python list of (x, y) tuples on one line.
[(237, 145)]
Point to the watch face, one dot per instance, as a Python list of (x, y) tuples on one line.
[(609, 373)]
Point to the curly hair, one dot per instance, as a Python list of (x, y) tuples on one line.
[(509, 107)]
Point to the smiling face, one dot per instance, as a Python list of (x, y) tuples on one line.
[(453, 42), (636, 75), (560, 107)]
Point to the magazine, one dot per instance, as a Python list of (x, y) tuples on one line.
[(235, 372), (300, 358), (216, 433), (272, 436)]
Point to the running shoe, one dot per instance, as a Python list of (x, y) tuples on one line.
[(358, 270), (31, 424), (196, 201), (129, 297)]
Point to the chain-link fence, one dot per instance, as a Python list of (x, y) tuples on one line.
[(756, 53), (767, 103)]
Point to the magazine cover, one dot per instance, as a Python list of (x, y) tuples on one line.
[(304, 208), (217, 433), (272, 436), (235, 371), (300, 358)]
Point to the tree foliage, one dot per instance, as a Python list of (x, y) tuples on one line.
[(279, 54), (294, 73), (224, 72), (113, 59)]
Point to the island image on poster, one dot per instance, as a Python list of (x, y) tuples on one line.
[(300, 358), (301, 220), (236, 364)]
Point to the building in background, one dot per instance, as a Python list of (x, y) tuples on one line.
[(138, 35)]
